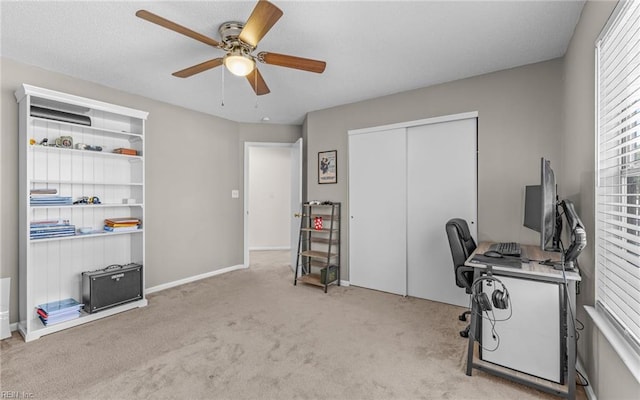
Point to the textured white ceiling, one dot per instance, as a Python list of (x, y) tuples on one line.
[(371, 48)]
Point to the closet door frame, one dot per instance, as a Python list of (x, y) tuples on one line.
[(356, 269)]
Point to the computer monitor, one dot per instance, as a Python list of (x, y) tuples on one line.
[(532, 207), (548, 209), (542, 214)]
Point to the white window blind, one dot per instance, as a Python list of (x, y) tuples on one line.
[(618, 170)]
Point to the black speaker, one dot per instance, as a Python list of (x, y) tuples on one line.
[(111, 286)]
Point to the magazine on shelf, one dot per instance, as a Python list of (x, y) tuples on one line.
[(43, 200), (121, 229), (66, 228), (50, 229), (124, 220), (50, 222), (59, 318), (52, 235), (60, 306)]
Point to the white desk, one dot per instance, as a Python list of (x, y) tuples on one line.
[(540, 334)]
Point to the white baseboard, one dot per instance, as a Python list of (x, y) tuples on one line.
[(14, 326), (168, 285), (194, 278), (588, 389), (261, 248)]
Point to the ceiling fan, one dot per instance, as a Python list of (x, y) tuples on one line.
[(238, 41)]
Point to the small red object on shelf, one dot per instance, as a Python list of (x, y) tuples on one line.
[(317, 223)]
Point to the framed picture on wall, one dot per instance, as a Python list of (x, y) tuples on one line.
[(328, 166)]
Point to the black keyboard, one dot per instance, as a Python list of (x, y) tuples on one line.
[(507, 249)]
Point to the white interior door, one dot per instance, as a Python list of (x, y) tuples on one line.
[(377, 203), (441, 184), (296, 198)]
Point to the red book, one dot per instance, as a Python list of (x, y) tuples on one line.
[(129, 152)]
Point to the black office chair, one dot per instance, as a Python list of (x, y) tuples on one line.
[(462, 245)]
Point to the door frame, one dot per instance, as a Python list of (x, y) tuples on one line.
[(246, 183)]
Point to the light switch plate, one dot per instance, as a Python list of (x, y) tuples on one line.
[(235, 194)]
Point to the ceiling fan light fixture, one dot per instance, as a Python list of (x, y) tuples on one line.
[(239, 64)]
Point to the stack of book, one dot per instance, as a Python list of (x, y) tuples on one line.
[(59, 311), (48, 197), (125, 224), (51, 228)]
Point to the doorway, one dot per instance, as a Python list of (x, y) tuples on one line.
[(272, 195)]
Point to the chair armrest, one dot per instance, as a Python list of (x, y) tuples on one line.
[(464, 276)]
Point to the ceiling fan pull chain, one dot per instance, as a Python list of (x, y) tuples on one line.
[(222, 104), (255, 86)]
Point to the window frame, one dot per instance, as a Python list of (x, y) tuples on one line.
[(629, 154)]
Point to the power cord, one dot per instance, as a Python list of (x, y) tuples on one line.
[(491, 318), (582, 380)]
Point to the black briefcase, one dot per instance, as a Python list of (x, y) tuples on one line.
[(111, 286)]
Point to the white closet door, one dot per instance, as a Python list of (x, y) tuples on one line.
[(441, 184), (377, 203)]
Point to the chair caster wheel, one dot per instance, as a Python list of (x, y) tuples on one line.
[(464, 334)]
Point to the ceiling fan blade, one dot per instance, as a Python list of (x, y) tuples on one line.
[(158, 20), (263, 17), (196, 69), (284, 60), (257, 83)]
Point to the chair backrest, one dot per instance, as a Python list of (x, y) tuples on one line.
[(462, 245)]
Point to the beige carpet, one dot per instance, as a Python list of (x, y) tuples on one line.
[(251, 334)]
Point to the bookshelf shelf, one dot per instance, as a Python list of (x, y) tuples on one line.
[(88, 129), (89, 206), (84, 182), (82, 153), (39, 330), (54, 162), (86, 236)]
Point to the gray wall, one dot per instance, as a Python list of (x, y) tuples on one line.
[(544, 109), (193, 162), (520, 120), (610, 379)]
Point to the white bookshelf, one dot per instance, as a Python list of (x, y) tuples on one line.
[(51, 268)]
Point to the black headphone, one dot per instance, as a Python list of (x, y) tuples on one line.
[(499, 298)]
